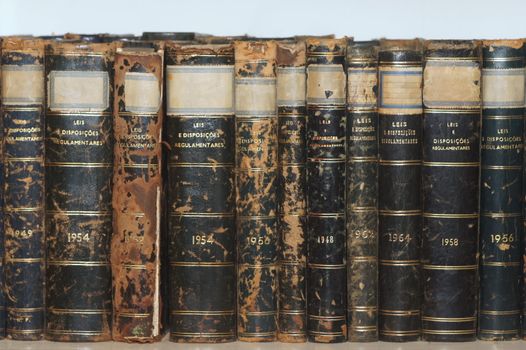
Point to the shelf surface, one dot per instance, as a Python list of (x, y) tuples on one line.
[(166, 345)]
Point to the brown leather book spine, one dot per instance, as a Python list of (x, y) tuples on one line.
[(256, 182), (137, 185), (292, 222)]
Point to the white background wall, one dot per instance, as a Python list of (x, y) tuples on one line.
[(364, 19)]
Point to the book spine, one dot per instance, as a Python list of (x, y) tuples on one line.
[(256, 189), (450, 190), (3, 312), (23, 222), (292, 223), (200, 134), (399, 180), (79, 169), (500, 191), (137, 186), (326, 268), (362, 192)]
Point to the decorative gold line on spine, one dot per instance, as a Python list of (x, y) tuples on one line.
[(203, 215), (292, 312), (22, 209), (500, 313), (400, 212), (202, 334), (503, 117), (293, 262), (73, 332), (24, 159), (258, 335), (399, 313), (500, 263), (78, 263), (399, 162), (363, 159), (449, 332), (325, 333), (25, 309), (451, 164), (256, 217), (327, 266), (449, 267), (326, 160), (21, 109), (79, 165), (450, 216), (449, 319), (201, 264), (9, 259), (472, 111), (385, 262), (79, 311), (503, 59), (258, 266), (456, 58), (326, 215), (363, 209), (79, 212), (203, 312), (138, 166), (76, 114), (364, 328), (501, 215), (24, 331), (199, 165), (400, 333), (326, 318), (502, 167), (364, 258), (362, 308), (132, 314), (134, 267)]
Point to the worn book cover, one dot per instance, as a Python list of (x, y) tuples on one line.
[(362, 191), (450, 175), (22, 105), (292, 223), (326, 268), (201, 198), (502, 147), (256, 133), (137, 195), (78, 174), (400, 192)]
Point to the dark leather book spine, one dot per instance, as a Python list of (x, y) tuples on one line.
[(256, 190), (137, 188), (3, 312), (450, 170), (501, 189), (201, 198), (79, 169), (362, 191), (292, 223), (326, 268), (23, 222), (399, 186)]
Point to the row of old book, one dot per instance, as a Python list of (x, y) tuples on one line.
[(307, 188)]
